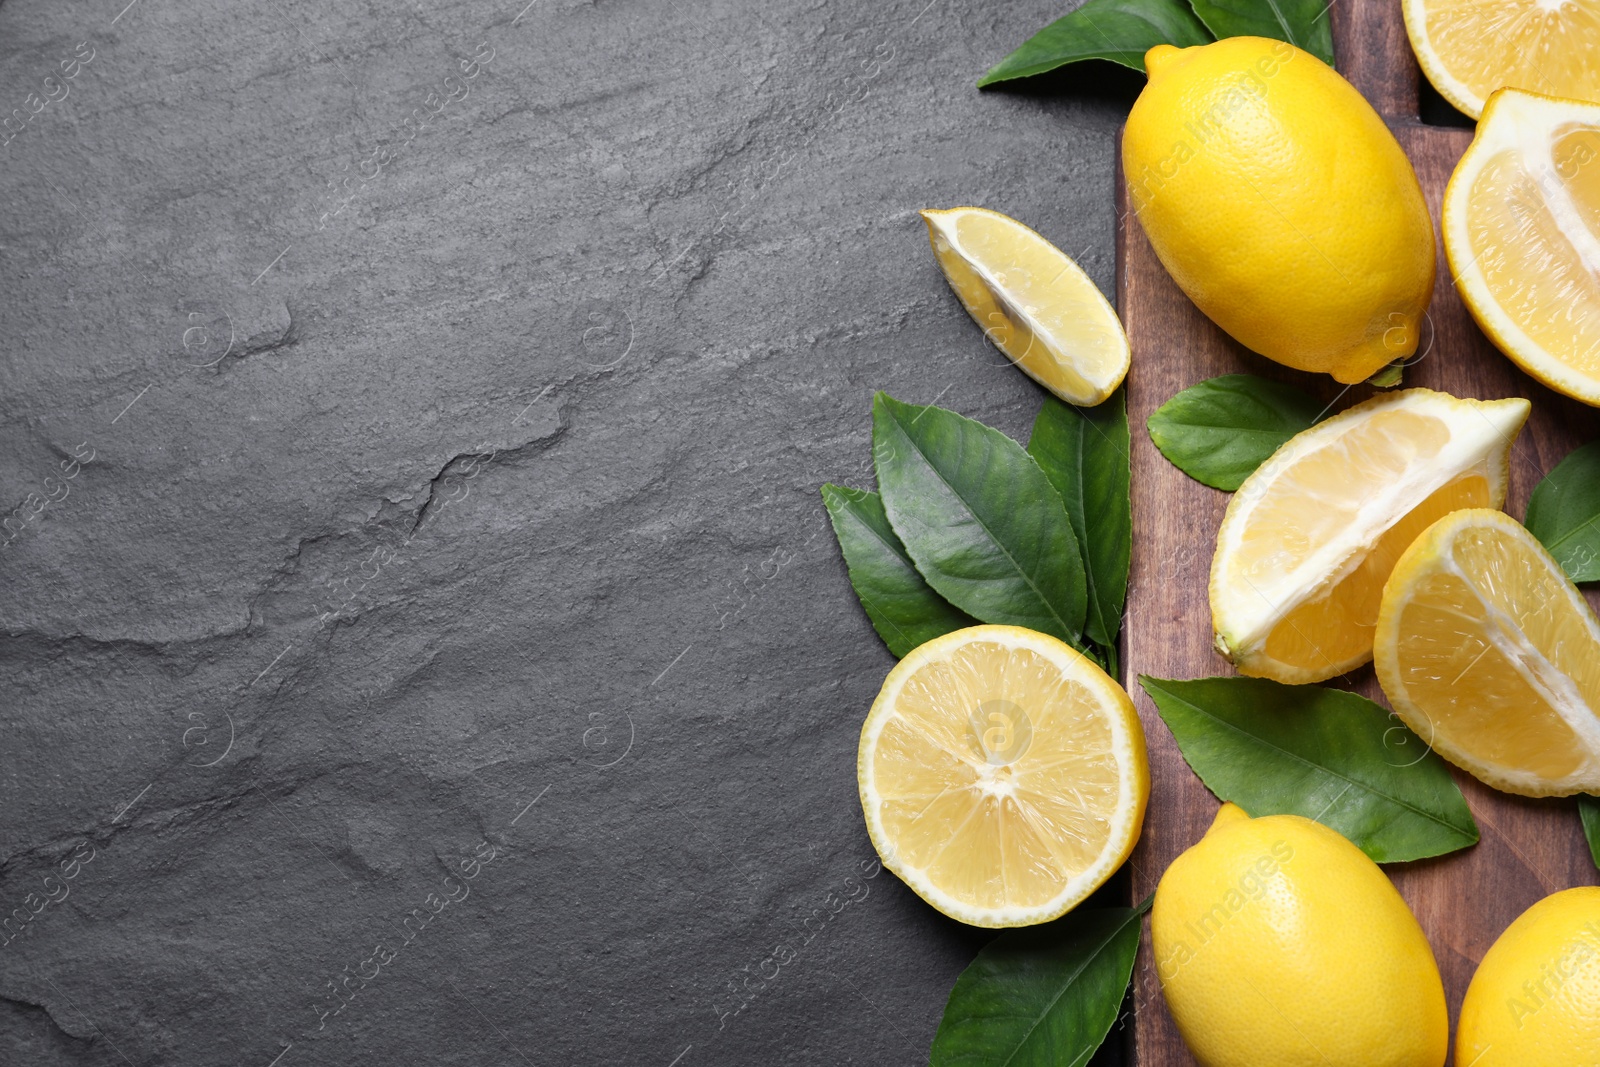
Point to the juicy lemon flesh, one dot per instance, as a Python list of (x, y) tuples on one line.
[(994, 835), (1488, 643), (1336, 628), (1278, 552), (1032, 301), (1533, 44), (1530, 266)]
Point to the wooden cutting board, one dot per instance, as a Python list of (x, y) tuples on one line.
[(1529, 848)]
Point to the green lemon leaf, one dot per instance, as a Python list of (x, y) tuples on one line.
[(1589, 812), (979, 518), (903, 608), (1121, 31), (1221, 430), (1044, 996), (1331, 756), (1084, 453), (1564, 513), (1303, 23)]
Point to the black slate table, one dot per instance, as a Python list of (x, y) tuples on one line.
[(422, 638)]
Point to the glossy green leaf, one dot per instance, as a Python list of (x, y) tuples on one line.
[(1084, 453), (1121, 31), (1221, 430), (1042, 996), (979, 518), (1325, 754), (1589, 812), (1564, 513), (1303, 23), (903, 608)]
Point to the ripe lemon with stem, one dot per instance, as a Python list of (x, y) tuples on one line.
[(1033, 302), (1281, 204)]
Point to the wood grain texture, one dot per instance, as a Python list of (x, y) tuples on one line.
[(1529, 848)]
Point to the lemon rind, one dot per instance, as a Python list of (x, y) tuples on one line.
[(1526, 115), (1128, 746), (943, 221), (1241, 625), (1431, 545)]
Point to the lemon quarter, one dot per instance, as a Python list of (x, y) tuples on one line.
[(1033, 302), (1002, 774), (1492, 656), (1522, 234), (1310, 537)]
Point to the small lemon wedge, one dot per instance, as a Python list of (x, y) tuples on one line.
[(1033, 302), (1311, 536), (1522, 234), (1002, 774), (1492, 656)]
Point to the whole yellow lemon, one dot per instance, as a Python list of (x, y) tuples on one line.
[(1278, 943), (1281, 204), (1535, 1001)]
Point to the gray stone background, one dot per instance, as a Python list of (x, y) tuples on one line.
[(423, 641)]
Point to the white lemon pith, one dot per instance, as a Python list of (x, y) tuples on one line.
[(1002, 775), (1310, 537), (1033, 302), (1521, 227)]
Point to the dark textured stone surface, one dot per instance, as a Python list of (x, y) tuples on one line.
[(494, 488)]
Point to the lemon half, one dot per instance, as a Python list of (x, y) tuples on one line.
[(1002, 774), (1310, 537), (1522, 235), (1470, 48), (1033, 302)]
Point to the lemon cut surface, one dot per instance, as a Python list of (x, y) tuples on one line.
[(1492, 656), (1311, 536), (1522, 235), (1033, 302), (1470, 48), (1002, 775)]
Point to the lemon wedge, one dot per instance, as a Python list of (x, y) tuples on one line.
[(1002, 774), (1033, 302), (1312, 534), (1492, 656), (1522, 234), (1470, 48)]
